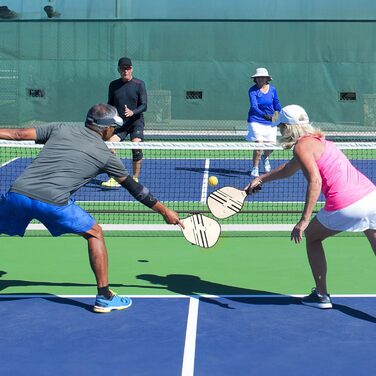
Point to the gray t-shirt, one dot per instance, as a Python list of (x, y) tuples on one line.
[(70, 158)]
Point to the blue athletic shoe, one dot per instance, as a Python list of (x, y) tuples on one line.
[(103, 305)]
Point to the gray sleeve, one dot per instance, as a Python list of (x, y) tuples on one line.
[(44, 132), (114, 167)]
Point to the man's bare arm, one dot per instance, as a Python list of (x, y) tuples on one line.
[(18, 134)]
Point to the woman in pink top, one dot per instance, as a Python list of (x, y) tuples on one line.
[(350, 197)]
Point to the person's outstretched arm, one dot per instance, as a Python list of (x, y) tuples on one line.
[(283, 171), (18, 134), (143, 195)]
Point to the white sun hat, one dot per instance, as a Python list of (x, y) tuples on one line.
[(261, 72), (292, 114)]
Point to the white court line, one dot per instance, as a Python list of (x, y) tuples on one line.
[(190, 339), (14, 296), (46, 296), (130, 227), (81, 202), (204, 191), (12, 160)]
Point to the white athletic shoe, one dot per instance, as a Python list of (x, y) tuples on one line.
[(265, 161), (255, 172)]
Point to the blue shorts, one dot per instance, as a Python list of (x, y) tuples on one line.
[(17, 211)]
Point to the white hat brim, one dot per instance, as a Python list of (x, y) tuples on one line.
[(261, 75)]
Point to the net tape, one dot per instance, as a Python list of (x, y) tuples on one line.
[(194, 145)]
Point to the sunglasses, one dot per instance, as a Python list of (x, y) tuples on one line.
[(125, 67)]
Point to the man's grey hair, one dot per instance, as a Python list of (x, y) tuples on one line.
[(102, 116)]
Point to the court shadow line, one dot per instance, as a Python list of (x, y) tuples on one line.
[(217, 171), (354, 313), (94, 183), (50, 298), (6, 283), (192, 285)]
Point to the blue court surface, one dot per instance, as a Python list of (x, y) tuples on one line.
[(256, 335), (185, 180)]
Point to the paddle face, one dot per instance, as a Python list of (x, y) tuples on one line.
[(201, 230), (226, 201)]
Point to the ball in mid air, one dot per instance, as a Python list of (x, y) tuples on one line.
[(213, 180)]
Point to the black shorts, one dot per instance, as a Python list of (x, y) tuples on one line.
[(136, 130)]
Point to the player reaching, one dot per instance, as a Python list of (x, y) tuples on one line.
[(71, 157), (350, 197)]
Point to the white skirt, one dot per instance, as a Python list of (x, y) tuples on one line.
[(359, 216), (261, 133)]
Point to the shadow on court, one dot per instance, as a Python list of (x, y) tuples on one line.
[(51, 298), (95, 183), (354, 313), (7, 283), (183, 284), (217, 171), (193, 285)]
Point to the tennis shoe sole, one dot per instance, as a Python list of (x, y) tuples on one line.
[(99, 309), (318, 305), (111, 183)]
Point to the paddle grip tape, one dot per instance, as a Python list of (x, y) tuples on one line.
[(139, 192)]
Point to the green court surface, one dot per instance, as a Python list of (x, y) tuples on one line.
[(170, 265)]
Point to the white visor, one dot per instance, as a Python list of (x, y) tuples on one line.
[(292, 114)]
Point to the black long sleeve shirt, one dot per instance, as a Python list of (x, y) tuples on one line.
[(132, 94)]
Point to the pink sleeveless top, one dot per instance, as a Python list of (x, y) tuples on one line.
[(342, 183)]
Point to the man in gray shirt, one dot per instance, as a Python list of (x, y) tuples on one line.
[(70, 158)]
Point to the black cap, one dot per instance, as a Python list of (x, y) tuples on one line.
[(125, 61)]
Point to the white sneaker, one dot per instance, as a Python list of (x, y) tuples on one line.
[(266, 163), (255, 171)]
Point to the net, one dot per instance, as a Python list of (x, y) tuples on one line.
[(177, 174), (224, 131)]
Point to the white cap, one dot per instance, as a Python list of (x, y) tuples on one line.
[(261, 72), (292, 114)]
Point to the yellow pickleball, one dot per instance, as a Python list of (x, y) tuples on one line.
[(213, 180)]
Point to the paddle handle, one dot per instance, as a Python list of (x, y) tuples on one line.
[(254, 190)]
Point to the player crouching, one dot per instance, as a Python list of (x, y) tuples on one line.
[(71, 157)]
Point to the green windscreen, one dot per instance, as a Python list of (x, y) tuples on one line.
[(197, 71)]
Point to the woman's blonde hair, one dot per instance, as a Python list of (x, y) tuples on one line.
[(292, 133)]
